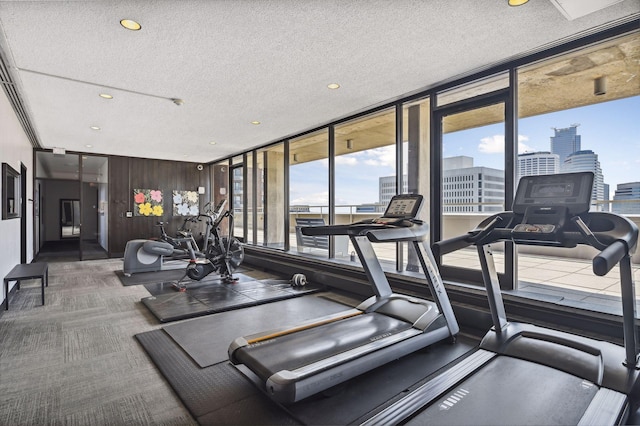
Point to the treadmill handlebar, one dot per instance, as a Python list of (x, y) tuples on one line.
[(609, 257), (472, 237), (614, 235), (401, 230)]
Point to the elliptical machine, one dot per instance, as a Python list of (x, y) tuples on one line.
[(222, 254)]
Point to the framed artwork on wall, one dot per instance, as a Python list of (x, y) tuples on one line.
[(185, 203), (148, 202)]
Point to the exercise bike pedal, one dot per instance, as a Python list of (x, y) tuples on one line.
[(179, 287)]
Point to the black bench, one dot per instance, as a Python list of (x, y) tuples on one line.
[(317, 241), (27, 271)]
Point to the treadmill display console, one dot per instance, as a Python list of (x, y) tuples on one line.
[(405, 206), (401, 207), (571, 190)]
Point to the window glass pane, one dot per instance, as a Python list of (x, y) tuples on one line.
[(49, 166), (220, 191), (308, 187), (95, 207), (365, 176), (249, 206), (271, 208), (578, 112), (237, 201), (472, 178)]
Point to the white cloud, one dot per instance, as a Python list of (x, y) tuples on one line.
[(495, 144), (492, 144), (317, 199), (346, 160), (522, 146)]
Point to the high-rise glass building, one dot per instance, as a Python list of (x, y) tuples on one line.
[(627, 198), (587, 161), (538, 163), (565, 142)]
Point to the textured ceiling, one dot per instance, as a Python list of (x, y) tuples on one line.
[(233, 62)]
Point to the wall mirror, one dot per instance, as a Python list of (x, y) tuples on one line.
[(10, 192)]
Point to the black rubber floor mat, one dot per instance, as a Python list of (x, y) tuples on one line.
[(150, 277), (207, 391), (219, 394), (207, 298), (243, 413), (207, 339)]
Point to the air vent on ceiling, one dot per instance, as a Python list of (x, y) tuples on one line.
[(13, 96), (573, 9)]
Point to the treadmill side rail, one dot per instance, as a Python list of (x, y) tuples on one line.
[(606, 408), (428, 392)]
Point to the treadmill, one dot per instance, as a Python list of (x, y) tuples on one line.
[(525, 374), (293, 363)]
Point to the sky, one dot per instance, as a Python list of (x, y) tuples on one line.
[(610, 129)]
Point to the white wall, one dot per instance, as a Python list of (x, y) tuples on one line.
[(15, 148)]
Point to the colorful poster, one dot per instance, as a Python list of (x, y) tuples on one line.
[(148, 202), (185, 203)]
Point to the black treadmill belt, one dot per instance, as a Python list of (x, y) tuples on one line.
[(207, 339), (203, 299), (510, 391), (305, 347)]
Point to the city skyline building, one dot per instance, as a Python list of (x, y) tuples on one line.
[(566, 141), (587, 161), (468, 189), (626, 199), (387, 188), (538, 163)]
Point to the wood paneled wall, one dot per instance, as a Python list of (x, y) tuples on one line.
[(127, 174)]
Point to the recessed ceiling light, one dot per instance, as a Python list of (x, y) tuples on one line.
[(105, 96), (255, 122), (517, 2), (130, 24), (212, 143), (333, 86), (89, 145), (95, 127)]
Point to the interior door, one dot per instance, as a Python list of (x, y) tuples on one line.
[(94, 207)]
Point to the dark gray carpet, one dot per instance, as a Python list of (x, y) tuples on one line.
[(74, 361), (207, 339)]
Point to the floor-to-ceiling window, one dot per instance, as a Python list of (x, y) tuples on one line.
[(308, 185), (478, 141), (365, 173), (220, 192), (578, 112), (271, 188), (471, 143), (237, 197)]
